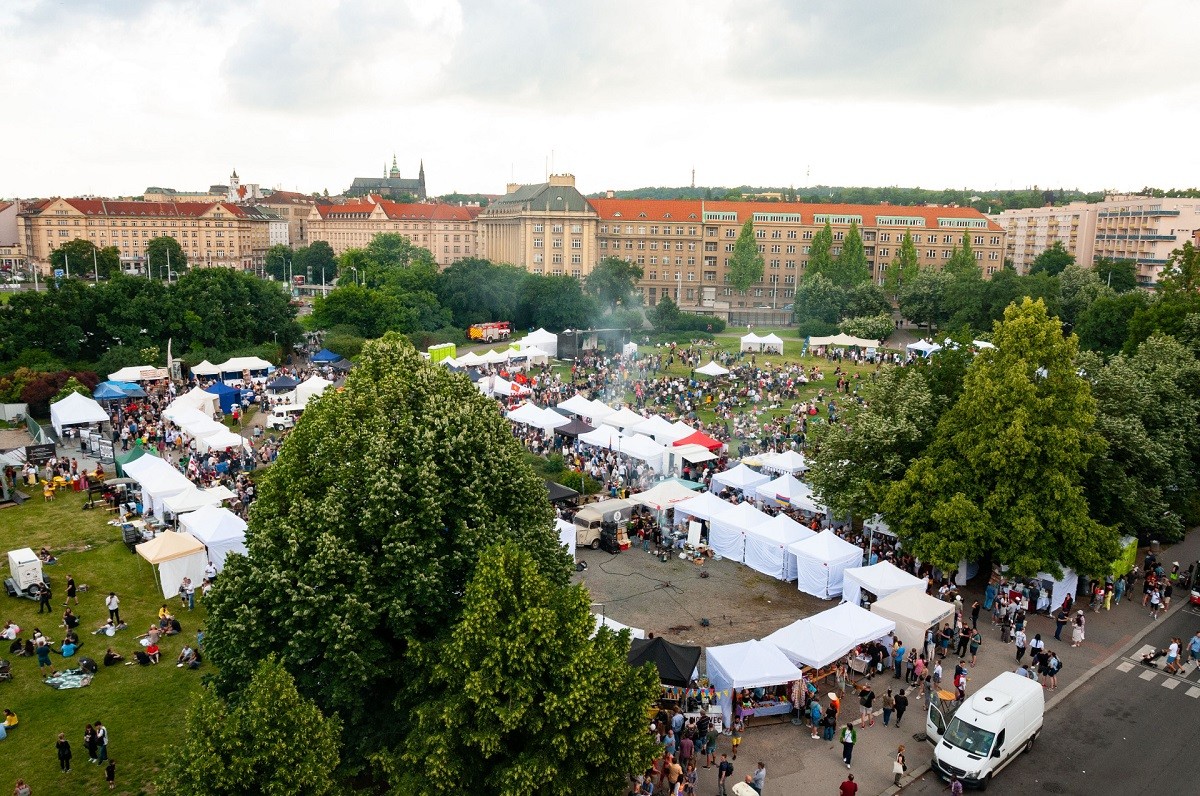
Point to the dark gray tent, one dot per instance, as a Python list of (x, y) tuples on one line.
[(560, 493), (574, 429), (675, 662)]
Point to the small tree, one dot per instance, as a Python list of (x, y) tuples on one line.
[(84, 260), (73, 385), (267, 739), (820, 261), (746, 264), (1182, 271), (962, 260), (1053, 260), (871, 327), (613, 281), (903, 269), (165, 251), (851, 267)]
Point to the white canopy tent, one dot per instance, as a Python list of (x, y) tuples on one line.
[(603, 437), (527, 414), (663, 431), (206, 368), (202, 401), (221, 531), (158, 480), (236, 365), (914, 612), (663, 496), (751, 342), (1060, 587), (767, 546), (858, 623), (498, 385), (190, 500), (712, 369), (643, 449), (922, 348), (469, 359), (820, 562), (577, 405), (546, 341), (982, 344), (727, 530), (788, 490), (139, 373), (750, 664), (566, 535), (494, 357), (310, 388), (740, 477), (623, 418), (688, 453), (616, 627), (806, 644), (704, 506), (789, 462), (177, 556), (533, 355), (75, 410), (181, 414), (772, 343), (880, 579), (600, 410), (842, 341)]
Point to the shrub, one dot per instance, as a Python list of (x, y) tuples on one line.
[(872, 327), (812, 328)]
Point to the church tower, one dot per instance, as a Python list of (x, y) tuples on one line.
[(395, 172), (421, 182), (234, 183)]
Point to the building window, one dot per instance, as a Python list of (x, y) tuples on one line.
[(557, 229), (537, 243), (576, 243), (557, 259)]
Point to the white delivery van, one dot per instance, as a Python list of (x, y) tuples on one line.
[(976, 738), (284, 416)]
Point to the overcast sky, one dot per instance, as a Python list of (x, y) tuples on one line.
[(108, 97)]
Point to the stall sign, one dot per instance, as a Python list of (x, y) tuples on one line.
[(39, 454), (106, 450)]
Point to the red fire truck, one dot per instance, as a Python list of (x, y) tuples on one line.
[(489, 332)]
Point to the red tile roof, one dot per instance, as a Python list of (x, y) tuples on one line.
[(397, 211), (104, 207)]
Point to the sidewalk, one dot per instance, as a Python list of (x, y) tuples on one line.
[(796, 764)]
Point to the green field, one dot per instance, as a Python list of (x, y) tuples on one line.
[(143, 707)]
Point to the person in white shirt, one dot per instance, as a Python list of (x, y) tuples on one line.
[(113, 602), (210, 572)]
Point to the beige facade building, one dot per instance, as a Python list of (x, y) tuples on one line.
[(448, 231), (293, 208), (548, 228), (217, 234), (1139, 228)]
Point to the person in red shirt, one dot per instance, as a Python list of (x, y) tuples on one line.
[(849, 787)]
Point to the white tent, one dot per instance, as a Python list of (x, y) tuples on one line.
[(158, 480), (692, 453), (704, 506), (206, 368), (190, 500), (220, 439), (623, 418), (727, 530), (616, 627), (772, 342), (221, 531), (712, 369), (182, 414), (767, 546), (177, 556), (750, 664), (202, 401), (310, 388), (820, 562), (76, 410), (644, 449), (607, 438), (806, 644), (1060, 587), (751, 342), (879, 579), (922, 348), (236, 365), (527, 414), (663, 430), (858, 623), (470, 359), (600, 410), (551, 420), (740, 477), (494, 357), (534, 355), (914, 612), (842, 341), (566, 535), (138, 373), (790, 491), (787, 462), (663, 496), (546, 341), (577, 405)]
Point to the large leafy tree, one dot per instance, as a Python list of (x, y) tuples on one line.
[(613, 280), (314, 261), (962, 259), (476, 290), (268, 739), (1078, 288), (165, 251), (850, 268), (224, 309), (820, 257), (556, 302), (275, 263), (1120, 275), (1003, 476), (818, 299), (367, 530), (1053, 259), (83, 259), (904, 266), (1181, 274), (866, 298), (923, 300), (1167, 313), (871, 327), (1104, 325), (520, 695), (746, 264)]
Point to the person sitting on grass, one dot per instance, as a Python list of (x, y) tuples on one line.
[(70, 620), (10, 631), (46, 556), (10, 719), (153, 652), (67, 649), (174, 628), (151, 636), (188, 658), (111, 658)]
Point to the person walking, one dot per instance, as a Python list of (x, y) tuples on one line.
[(849, 738), (1119, 590), (976, 642), (64, 753), (44, 596), (1155, 604), (901, 706), (888, 701), (849, 787), (71, 590), (724, 772), (110, 774), (759, 778), (1193, 649), (113, 603), (1022, 641), (1077, 630), (735, 736), (899, 765), (814, 714), (866, 701)]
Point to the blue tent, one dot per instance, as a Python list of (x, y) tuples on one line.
[(117, 390), (227, 396), (325, 355)]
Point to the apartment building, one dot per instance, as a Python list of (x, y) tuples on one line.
[(211, 234), (448, 231), (547, 228), (294, 209), (684, 247), (1139, 228)]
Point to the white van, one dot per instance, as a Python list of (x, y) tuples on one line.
[(284, 416), (977, 738)]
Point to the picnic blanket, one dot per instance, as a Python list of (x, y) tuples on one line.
[(71, 678)]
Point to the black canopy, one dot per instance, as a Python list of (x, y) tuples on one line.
[(342, 365), (675, 662), (283, 383), (574, 429), (559, 493)]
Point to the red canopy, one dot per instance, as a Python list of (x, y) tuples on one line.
[(700, 438)]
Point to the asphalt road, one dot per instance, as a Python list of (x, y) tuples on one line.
[(1129, 729)]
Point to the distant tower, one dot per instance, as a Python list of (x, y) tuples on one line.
[(395, 172), (693, 178), (232, 194), (421, 182)]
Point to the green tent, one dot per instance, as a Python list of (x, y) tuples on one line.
[(128, 456)]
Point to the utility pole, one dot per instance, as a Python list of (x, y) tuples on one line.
[(95, 267), (168, 266), (67, 260)]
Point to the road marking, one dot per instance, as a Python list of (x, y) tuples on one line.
[(1170, 683), (1193, 692), (1147, 675), (1124, 667)]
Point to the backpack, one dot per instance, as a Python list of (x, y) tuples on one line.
[(864, 698)]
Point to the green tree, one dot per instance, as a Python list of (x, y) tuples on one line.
[(352, 266), (275, 263), (1104, 325), (73, 385), (664, 315), (903, 268), (866, 298), (614, 280), (476, 290), (521, 695), (314, 260), (82, 258), (872, 327), (850, 268), (265, 739), (556, 302), (923, 300), (356, 550), (818, 299), (746, 264), (1078, 288), (962, 261), (1002, 479), (1053, 259), (1167, 314), (1120, 275), (1181, 274), (820, 261), (163, 252)]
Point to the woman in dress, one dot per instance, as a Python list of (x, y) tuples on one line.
[(1077, 634)]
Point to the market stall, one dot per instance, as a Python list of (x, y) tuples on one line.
[(676, 663), (922, 348), (704, 506), (701, 439), (206, 369), (325, 357), (220, 530), (728, 529), (663, 496), (771, 344), (787, 490), (623, 418), (767, 546), (807, 644), (175, 556), (914, 612), (750, 342), (789, 462), (158, 481), (712, 369), (663, 431), (858, 623), (202, 401), (546, 341), (228, 397), (820, 562), (76, 410), (740, 477), (880, 580), (1058, 588), (756, 666)]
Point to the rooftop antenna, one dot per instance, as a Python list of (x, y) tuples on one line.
[(693, 177)]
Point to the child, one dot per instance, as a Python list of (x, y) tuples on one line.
[(110, 773)]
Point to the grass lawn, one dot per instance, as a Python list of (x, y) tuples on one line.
[(143, 707)]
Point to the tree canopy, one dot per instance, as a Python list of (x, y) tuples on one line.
[(850, 267), (820, 257), (746, 264), (83, 259), (165, 252), (613, 281), (1052, 260), (904, 266), (366, 532)]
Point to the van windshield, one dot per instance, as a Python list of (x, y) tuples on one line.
[(968, 737)]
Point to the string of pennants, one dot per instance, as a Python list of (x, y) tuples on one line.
[(676, 691)]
